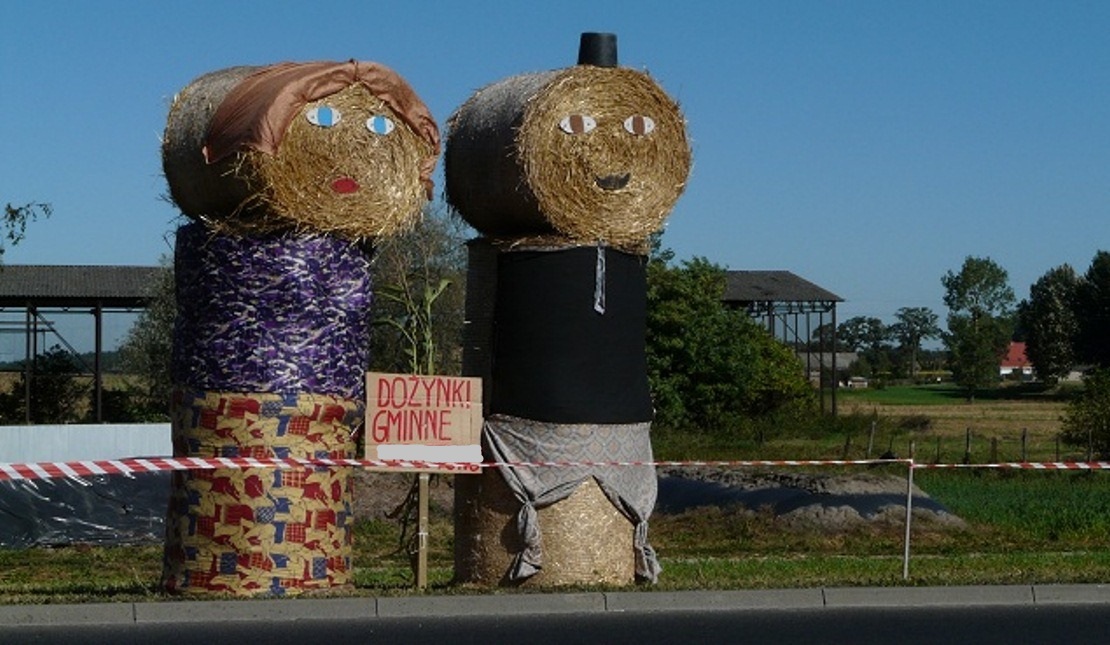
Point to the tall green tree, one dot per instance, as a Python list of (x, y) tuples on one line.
[(869, 337), (915, 325), (980, 322), (146, 353), (1092, 310), (1050, 323), (712, 368)]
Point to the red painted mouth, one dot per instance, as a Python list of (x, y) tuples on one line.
[(345, 185)]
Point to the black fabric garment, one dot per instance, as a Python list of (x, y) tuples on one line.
[(555, 357)]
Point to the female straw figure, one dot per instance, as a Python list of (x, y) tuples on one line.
[(289, 172)]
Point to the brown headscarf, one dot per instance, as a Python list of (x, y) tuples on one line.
[(258, 111)]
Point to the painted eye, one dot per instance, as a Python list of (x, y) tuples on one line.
[(639, 125), (577, 124), (381, 125), (324, 116)]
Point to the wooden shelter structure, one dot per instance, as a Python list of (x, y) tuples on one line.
[(787, 305), (41, 289)]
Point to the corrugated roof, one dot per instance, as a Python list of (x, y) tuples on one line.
[(773, 286), (76, 286)]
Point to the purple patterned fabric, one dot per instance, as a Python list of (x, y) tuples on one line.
[(278, 313)]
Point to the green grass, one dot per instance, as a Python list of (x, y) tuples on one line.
[(1021, 528), (948, 393)]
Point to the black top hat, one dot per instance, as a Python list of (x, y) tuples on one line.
[(598, 49)]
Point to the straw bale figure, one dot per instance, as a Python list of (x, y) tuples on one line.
[(565, 174), (289, 173)]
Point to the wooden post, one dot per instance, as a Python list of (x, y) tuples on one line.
[(1024, 445), (848, 445), (967, 446), (422, 533), (871, 439)]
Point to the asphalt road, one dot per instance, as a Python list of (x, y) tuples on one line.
[(1013, 614), (951, 625)]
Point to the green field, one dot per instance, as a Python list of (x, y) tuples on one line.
[(1022, 527)]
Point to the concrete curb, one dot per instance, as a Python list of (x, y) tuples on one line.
[(520, 604)]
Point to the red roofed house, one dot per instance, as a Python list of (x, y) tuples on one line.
[(1015, 364)]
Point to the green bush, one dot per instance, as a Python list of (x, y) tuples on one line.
[(1087, 420)]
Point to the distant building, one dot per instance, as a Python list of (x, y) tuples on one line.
[(1015, 364)]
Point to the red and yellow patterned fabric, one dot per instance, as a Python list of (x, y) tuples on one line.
[(260, 531)]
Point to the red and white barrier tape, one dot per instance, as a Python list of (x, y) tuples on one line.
[(130, 466), (1024, 465)]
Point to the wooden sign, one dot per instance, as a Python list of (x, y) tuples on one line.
[(423, 418)]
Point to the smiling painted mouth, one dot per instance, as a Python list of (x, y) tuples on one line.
[(613, 182)]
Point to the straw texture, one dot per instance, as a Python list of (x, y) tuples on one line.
[(586, 540), (348, 178), (514, 170)]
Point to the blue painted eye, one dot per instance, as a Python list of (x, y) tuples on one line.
[(324, 116), (381, 125)]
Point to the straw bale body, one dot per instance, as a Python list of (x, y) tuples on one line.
[(342, 148), (586, 540), (585, 154)]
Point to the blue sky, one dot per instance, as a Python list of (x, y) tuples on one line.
[(868, 147)]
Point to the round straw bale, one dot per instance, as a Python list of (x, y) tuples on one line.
[(587, 153), (586, 540), (200, 189), (362, 172)]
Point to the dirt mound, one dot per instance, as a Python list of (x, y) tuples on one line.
[(828, 501)]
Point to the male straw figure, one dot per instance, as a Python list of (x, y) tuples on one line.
[(566, 174)]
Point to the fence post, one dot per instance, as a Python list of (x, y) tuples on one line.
[(871, 439), (909, 515), (1024, 445), (967, 446)]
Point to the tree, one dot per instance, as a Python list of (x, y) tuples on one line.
[(16, 219), (146, 353), (711, 368), (980, 321), (420, 281), (1087, 420), (1050, 324), (868, 337), (1092, 310), (56, 395), (915, 324)]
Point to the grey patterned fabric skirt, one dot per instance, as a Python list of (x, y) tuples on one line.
[(631, 488)]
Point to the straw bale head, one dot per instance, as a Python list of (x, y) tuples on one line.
[(586, 153), (344, 148)]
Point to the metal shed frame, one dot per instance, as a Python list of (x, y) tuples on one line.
[(784, 302), (95, 290)]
